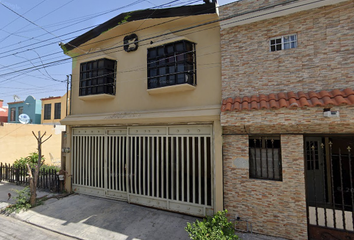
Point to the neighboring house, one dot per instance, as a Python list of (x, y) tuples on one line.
[(144, 124), (3, 112), (54, 109), (30, 106), (287, 116)]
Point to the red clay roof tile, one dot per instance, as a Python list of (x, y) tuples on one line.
[(292, 100)]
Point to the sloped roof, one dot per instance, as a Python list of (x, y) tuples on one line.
[(207, 8), (290, 100)]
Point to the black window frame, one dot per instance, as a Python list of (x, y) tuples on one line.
[(12, 114), (47, 111), (171, 64), (20, 110), (57, 110), (265, 160), (98, 77)]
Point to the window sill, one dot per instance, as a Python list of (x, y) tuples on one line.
[(170, 89), (96, 97)]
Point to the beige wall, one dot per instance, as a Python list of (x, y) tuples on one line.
[(131, 80), (64, 109), (17, 140)]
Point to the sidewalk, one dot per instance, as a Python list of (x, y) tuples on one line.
[(87, 217)]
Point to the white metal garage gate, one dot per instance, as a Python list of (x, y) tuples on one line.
[(164, 167)]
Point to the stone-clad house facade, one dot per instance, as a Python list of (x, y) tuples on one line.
[(288, 116)]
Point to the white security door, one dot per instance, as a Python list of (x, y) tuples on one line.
[(163, 167)]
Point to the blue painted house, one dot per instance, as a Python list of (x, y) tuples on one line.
[(30, 106)]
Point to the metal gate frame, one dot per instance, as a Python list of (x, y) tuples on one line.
[(190, 148), (328, 217)]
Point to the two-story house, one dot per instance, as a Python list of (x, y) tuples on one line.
[(54, 109), (288, 116), (145, 108), (30, 106)]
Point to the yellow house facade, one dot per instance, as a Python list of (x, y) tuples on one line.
[(54, 109), (145, 112)]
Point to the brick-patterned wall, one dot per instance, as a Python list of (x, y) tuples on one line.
[(309, 120), (275, 208), (323, 60)]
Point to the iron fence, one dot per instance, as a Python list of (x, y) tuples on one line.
[(48, 179)]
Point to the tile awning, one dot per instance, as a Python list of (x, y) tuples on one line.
[(290, 100)]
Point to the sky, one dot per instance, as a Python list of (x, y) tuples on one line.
[(31, 61)]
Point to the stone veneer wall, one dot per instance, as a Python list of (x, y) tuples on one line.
[(323, 60), (275, 208)]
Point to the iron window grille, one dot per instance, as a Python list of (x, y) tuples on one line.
[(47, 111), (57, 110), (98, 77), (13, 114), (20, 110), (171, 64), (265, 157), (282, 43)]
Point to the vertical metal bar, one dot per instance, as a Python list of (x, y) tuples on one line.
[(205, 172), (177, 168), (255, 157), (105, 159), (167, 167), (314, 180), (261, 155), (103, 164), (73, 161), (139, 149), (135, 164), (342, 187), (85, 161), (108, 158), (153, 165), (96, 163), (333, 197), (116, 161), (144, 165), (148, 165), (188, 172), (199, 171), (172, 168), (351, 182), (139, 160), (157, 167), (119, 155), (272, 141), (324, 184), (193, 174), (182, 168), (266, 149), (162, 152), (131, 164)]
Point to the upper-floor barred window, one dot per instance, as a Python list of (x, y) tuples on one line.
[(171, 64), (282, 43), (47, 111), (98, 77)]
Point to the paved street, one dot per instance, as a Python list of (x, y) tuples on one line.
[(87, 217), (14, 229)]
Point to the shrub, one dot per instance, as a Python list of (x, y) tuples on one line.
[(32, 159), (217, 227), (22, 202)]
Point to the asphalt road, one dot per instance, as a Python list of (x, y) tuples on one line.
[(11, 228)]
